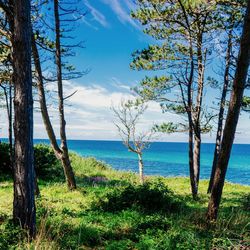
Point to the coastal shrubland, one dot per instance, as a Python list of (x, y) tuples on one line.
[(111, 210), (195, 47)]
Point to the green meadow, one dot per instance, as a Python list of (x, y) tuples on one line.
[(111, 210)]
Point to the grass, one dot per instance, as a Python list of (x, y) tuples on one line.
[(76, 220)]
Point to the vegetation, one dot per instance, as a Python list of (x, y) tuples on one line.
[(183, 46), (235, 104), (127, 117), (111, 210), (34, 38)]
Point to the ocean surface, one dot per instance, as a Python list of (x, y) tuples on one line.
[(163, 158)]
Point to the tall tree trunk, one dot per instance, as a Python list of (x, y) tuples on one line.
[(24, 211), (196, 166), (232, 119), (141, 168), (64, 147), (197, 116), (69, 175), (189, 110), (191, 162), (221, 111)]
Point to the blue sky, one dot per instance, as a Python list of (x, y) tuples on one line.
[(110, 36)]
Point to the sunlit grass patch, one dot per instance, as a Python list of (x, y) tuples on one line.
[(74, 219)]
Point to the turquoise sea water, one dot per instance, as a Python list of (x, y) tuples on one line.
[(164, 158)]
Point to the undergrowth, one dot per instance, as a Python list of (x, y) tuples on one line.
[(111, 210)]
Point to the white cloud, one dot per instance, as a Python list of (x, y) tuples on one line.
[(88, 115), (96, 15), (130, 4), (88, 112), (122, 11), (118, 84)]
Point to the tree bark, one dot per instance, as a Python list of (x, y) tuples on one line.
[(191, 160), (196, 164), (197, 117), (221, 111), (24, 211), (141, 168), (64, 147), (189, 109), (232, 119)]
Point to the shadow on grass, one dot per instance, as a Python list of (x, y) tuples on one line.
[(99, 181), (6, 178)]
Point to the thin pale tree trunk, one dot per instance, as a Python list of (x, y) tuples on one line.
[(141, 168), (191, 161), (24, 211), (232, 119), (221, 112), (196, 164)]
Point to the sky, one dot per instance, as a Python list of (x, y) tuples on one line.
[(110, 36)]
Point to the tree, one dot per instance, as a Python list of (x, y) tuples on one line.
[(127, 117), (221, 109), (183, 29), (24, 211), (68, 171), (43, 42), (230, 21), (65, 154), (235, 105), (6, 71), (6, 76)]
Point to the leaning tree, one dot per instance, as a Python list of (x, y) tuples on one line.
[(234, 109), (55, 48)]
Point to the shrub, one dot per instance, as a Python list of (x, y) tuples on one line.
[(149, 197), (10, 234), (46, 164), (246, 202), (4, 159)]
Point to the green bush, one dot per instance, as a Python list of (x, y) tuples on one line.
[(149, 197), (246, 202), (10, 234), (46, 164), (4, 159)]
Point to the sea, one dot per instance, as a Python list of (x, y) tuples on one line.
[(163, 158)]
